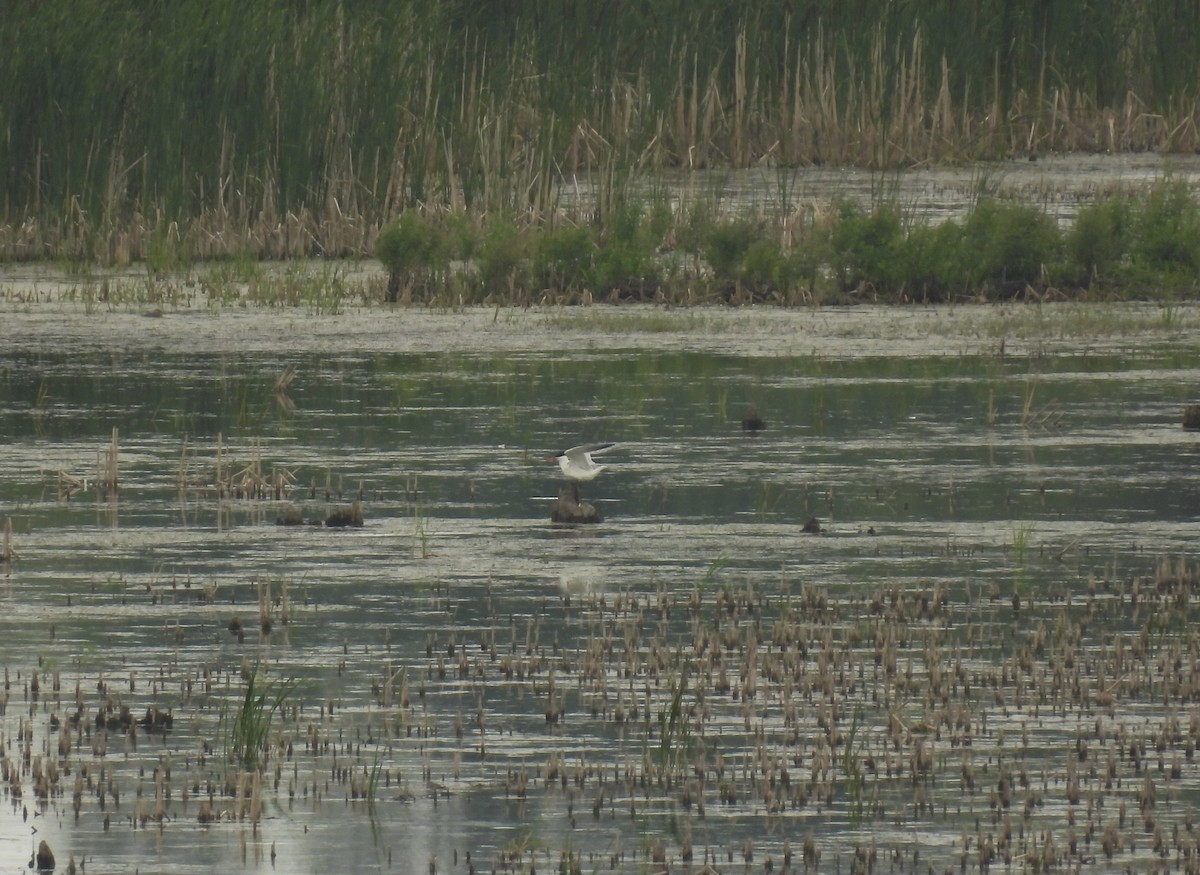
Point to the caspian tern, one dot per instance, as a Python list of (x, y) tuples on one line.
[(577, 463)]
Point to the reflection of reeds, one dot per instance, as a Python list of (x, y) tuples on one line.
[(1045, 416), (264, 607), (7, 554), (106, 476), (282, 383), (69, 485)]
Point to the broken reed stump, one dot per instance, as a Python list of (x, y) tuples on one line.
[(350, 516), (345, 516), (1191, 417), (44, 859), (569, 509), (290, 517)]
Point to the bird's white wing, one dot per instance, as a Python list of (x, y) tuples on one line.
[(585, 451)]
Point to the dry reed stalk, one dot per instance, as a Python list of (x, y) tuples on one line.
[(264, 607), (256, 797), (69, 485), (740, 147), (107, 475), (7, 555), (220, 484)]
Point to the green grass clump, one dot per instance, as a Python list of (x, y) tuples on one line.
[(249, 732)]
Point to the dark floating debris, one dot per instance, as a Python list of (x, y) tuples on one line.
[(812, 526), (752, 423), (1191, 417), (568, 508)]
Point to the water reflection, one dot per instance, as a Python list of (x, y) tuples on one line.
[(1060, 183)]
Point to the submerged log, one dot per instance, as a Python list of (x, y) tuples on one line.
[(1191, 417), (568, 508)]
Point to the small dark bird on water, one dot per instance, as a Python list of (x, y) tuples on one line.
[(752, 423)]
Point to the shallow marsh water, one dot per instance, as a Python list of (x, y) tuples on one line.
[(1004, 581), (1060, 184)]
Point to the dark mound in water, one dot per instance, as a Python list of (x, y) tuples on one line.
[(290, 517), (569, 509), (752, 423), (1191, 417), (344, 517)]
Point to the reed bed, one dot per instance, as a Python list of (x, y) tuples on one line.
[(775, 726), (282, 131)]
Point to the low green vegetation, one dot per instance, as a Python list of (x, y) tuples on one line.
[(1123, 246), (1129, 245)]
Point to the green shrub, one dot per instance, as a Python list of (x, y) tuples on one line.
[(933, 263), (625, 262), (627, 268), (1010, 245), (501, 259), (693, 230), (564, 259), (1165, 231), (864, 247), (726, 245), (1097, 240), (411, 249)]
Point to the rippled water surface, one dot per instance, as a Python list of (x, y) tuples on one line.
[(1002, 582)]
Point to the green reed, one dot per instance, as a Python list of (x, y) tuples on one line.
[(249, 727), (192, 131)]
